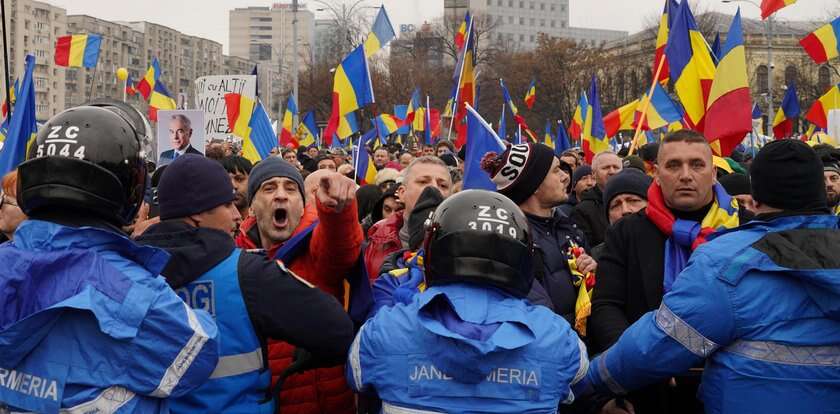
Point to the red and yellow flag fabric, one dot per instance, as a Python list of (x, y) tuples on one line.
[(769, 7), (824, 43)]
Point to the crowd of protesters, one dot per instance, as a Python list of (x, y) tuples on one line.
[(213, 285)]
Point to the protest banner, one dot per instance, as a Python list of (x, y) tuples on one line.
[(210, 98)]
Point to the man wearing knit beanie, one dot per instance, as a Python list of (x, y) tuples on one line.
[(589, 214), (208, 272), (738, 186), (831, 172), (626, 193), (761, 298), (531, 176), (321, 243)]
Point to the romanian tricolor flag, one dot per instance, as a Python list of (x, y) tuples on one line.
[(466, 84), (161, 99), (387, 124), (531, 95), (769, 7), (520, 121), (661, 111), (287, 137), (824, 43), (352, 88), (249, 121), (662, 39), (579, 117), (621, 118), (380, 34), (729, 111), (12, 98), (80, 50), (594, 134), (818, 114), (461, 34), (562, 141), (129, 86), (413, 106), (783, 123), (691, 66), (365, 170), (308, 130), (548, 139), (419, 122), (147, 84)]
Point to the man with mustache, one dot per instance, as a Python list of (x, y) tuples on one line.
[(320, 242), (644, 252)]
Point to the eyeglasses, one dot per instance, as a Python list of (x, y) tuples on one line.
[(4, 201)]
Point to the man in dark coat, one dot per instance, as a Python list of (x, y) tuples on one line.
[(685, 205), (590, 214)]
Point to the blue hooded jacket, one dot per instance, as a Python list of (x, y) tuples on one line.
[(761, 305), (467, 349), (87, 324)]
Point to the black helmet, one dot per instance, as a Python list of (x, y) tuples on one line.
[(85, 158), (479, 237)]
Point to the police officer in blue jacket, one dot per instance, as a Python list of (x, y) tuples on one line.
[(470, 342), (86, 323), (760, 304), (251, 298)]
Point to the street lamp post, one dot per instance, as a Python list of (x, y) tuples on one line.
[(295, 60), (769, 34)]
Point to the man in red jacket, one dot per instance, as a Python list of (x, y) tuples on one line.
[(323, 242), (391, 234)]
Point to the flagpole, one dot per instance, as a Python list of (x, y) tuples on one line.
[(647, 104), (428, 115), (6, 77), (93, 82)]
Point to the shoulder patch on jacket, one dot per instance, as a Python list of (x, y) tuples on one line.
[(285, 269)]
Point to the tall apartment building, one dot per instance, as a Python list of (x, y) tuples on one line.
[(33, 28), (264, 35), (518, 23)]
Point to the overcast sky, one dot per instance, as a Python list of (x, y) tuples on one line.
[(209, 18)]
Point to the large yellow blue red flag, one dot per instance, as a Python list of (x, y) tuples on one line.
[(466, 84), (147, 84), (79, 50), (287, 137), (662, 40), (579, 117), (818, 114), (22, 126), (729, 111), (380, 34), (594, 134), (352, 89), (691, 66), (824, 43), (620, 119), (161, 99), (248, 120)]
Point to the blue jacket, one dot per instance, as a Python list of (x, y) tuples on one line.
[(466, 349), (761, 305), (86, 323)]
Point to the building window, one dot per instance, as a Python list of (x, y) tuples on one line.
[(553, 23), (761, 78), (563, 24), (522, 38), (510, 3), (521, 4), (824, 79), (542, 22), (542, 6), (532, 21), (499, 3), (553, 7), (531, 5), (510, 19), (521, 21), (532, 38)]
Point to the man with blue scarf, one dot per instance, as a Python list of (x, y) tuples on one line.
[(644, 252), (86, 322), (759, 304)]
